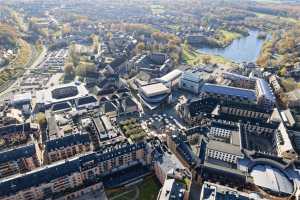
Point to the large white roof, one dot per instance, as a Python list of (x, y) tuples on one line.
[(271, 178), (21, 97), (45, 96), (193, 76), (176, 73), (154, 89)]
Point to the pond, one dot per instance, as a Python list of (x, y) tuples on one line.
[(243, 49)]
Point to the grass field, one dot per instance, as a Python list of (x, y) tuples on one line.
[(149, 189), (228, 36), (194, 58), (146, 190), (125, 195)]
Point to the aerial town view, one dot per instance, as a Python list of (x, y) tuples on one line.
[(149, 99)]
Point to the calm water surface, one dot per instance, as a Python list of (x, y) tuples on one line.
[(244, 49)]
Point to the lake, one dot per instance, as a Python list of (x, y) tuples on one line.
[(243, 49)]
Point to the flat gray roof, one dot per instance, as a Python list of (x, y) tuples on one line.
[(224, 147), (228, 90), (225, 169), (169, 162)]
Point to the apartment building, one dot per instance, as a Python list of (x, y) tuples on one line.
[(283, 142), (275, 84), (228, 93), (68, 146), (72, 177), (223, 151), (192, 80), (46, 182), (165, 163), (20, 160), (265, 96), (17, 134), (179, 146), (214, 191), (239, 80), (245, 111)]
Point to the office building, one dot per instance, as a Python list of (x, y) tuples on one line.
[(192, 81), (212, 191), (153, 95), (228, 93), (171, 79)]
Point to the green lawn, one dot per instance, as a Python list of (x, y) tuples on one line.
[(129, 195), (229, 36), (189, 56), (114, 194), (194, 58), (149, 189)]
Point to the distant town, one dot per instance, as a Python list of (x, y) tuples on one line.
[(149, 100)]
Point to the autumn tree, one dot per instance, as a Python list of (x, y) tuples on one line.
[(41, 119), (264, 59), (69, 71), (66, 29), (95, 40), (155, 47), (73, 55), (175, 57), (206, 60), (84, 69), (140, 47)]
